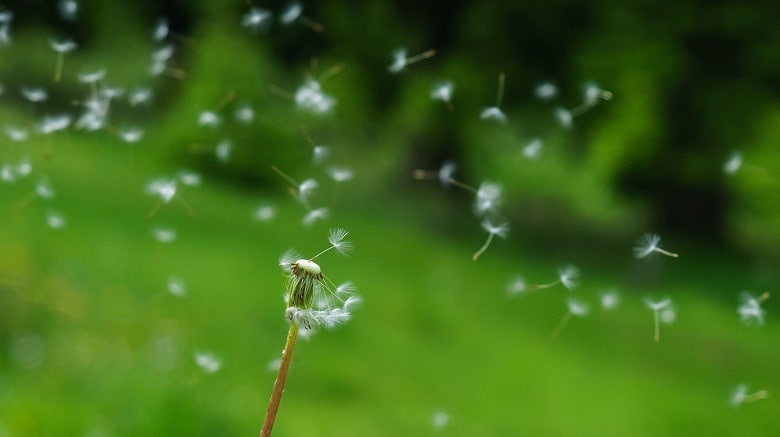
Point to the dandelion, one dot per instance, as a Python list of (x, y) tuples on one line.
[(244, 114), (312, 98), (61, 47), (647, 244), (593, 95), (55, 220), (264, 213), (176, 287), (567, 276), (189, 178), (164, 235), (576, 308), (161, 30), (662, 312), (294, 13), (516, 286), (444, 175), (501, 229), (16, 133), (209, 118), (166, 190), (609, 300), (532, 149), (443, 92), (564, 117), (44, 190), (223, 150), (546, 91), (440, 420), (741, 396), (750, 311), (315, 215), (34, 95), (733, 164), (68, 9), (401, 61), (131, 135), (310, 302), (256, 19), (488, 198), (51, 124), (139, 96), (495, 112), (340, 174), (92, 77), (208, 362)]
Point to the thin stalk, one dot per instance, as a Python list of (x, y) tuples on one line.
[(281, 378), (657, 318), (562, 324)]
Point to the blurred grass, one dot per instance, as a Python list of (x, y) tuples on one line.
[(94, 344)]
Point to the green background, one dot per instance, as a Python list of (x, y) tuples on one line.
[(92, 343)]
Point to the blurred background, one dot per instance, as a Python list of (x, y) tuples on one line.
[(142, 219)]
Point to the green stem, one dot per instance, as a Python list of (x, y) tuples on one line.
[(281, 378)]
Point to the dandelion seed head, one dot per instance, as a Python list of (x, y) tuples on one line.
[(306, 188), (222, 151), (733, 164), (287, 259), (131, 135), (443, 91), (750, 311), (161, 30), (659, 304), (568, 276), (55, 220), (445, 173), (609, 299), (399, 61), (440, 420), (63, 46), (209, 118), (493, 113), (315, 215), (139, 96), (488, 198), (646, 244), (35, 95), (68, 9), (546, 91), (340, 174), (336, 238), (165, 189), (44, 190), (51, 124), (564, 117), (16, 133), (320, 154), (577, 307), (256, 19), (92, 76), (532, 149), (164, 235), (208, 362), (501, 229), (516, 286), (310, 97), (176, 287), (291, 13), (244, 114), (265, 213)]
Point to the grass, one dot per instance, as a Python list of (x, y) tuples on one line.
[(93, 342)]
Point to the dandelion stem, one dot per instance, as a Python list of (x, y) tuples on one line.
[(757, 396), (657, 330), (536, 287), (562, 324), (290, 180), (462, 185), (484, 247), (666, 252), (58, 67), (281, 378), (419, 57)]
